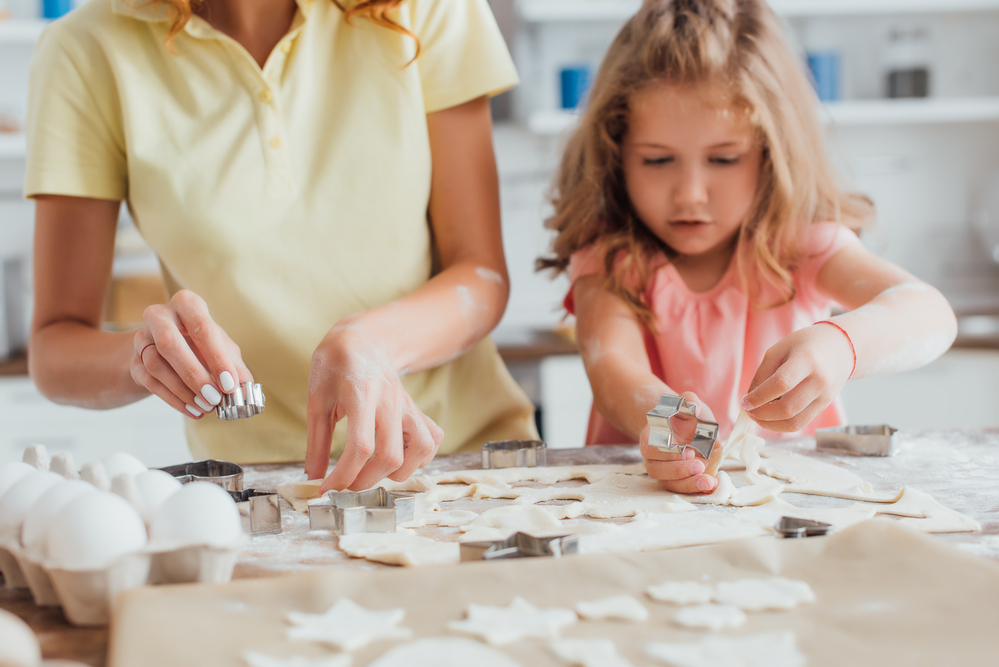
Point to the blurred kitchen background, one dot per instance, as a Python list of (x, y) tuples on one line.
[(910, 92)]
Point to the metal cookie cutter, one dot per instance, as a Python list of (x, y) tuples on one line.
[(227, 475), (877, 440), (520, 545), (372, 511), (244, 402), (514, 454), (790, 526), (674, 426), (260, 512)]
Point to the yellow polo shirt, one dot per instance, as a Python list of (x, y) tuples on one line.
[(288, 197)]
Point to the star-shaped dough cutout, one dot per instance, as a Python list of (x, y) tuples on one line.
[(348, 626), (504, 625)]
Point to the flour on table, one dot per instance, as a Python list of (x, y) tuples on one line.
[(714, 617), (616, 608), (255, 659), (771, 649), (400, 548), (764, 594), (505, 625), (588, 652), (347, 625), (681, 592), (444, 652)]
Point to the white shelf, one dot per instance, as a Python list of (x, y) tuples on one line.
[(853, 113), (13, 146), (21, 31), (548, 11)]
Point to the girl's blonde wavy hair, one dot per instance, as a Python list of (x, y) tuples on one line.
[(739, 46), (376, 11)]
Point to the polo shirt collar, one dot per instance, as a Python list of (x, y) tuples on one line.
[(155, 11)]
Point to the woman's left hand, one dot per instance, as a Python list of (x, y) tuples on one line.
[(388, 436), (799, 377)]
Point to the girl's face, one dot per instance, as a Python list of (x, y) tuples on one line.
[(691, 166)]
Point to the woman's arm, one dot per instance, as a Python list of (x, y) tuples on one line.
[(612, 345), (73, 361), (355, 369), (896, 323)]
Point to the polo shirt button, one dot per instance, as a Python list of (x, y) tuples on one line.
[(276, 143), (266, 97), (285, 46)]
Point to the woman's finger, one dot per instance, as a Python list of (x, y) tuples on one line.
[(175, 349), (698, 484), (360, 446), (320, 422), (208, 338), (674, 470), (417, 443), (142, 377), (389, 454), (436, 433), (158, 368)]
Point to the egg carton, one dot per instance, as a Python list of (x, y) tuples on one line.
[(86, 595)]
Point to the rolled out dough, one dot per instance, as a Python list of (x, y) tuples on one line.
[(347, 625), (589, 652), (771, 649), (444, 652), (400, 549), (681, 592), (617, 608), (256, 659), (763, 594), (713, 617)]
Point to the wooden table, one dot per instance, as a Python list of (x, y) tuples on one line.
[(959, 467)]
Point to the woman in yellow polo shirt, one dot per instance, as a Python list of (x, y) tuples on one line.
[(319, 184)]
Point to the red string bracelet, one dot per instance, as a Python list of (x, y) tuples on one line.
[(849, 340)]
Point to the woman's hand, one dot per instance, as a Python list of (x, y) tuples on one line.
[(388, 436), (184, 357), (679, 473), (799, 377)]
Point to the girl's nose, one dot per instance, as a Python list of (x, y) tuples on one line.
[(692, 189)]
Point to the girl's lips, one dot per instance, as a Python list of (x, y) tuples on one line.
[(688, 224)]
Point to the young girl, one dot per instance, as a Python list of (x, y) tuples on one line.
[(706, 239)]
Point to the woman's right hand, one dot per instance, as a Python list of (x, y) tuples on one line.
[(184, 357), (679, 473)]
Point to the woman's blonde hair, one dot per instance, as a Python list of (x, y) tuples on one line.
[(739, 46), (376, 11)]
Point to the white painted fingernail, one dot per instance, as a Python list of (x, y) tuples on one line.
[(211, 395), (193, 410), (202, 404), (228, 384)]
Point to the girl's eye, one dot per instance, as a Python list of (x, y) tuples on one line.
[(657, 160), (723, 160)]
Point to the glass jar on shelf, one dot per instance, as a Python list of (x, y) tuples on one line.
[(907, 57)]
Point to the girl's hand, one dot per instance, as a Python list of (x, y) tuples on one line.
[(184, 357), (679, 473), (388, 436), (799, 377)]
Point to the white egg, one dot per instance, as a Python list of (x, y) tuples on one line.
[(154, 487), (92, 532), (200, 513), (19, 647), (121, 463), (10, 473), (18, 500), (41, 514)]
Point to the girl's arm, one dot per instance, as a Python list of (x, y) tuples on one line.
[(612, 345), (896, 323), (356, 368), (179, 354)]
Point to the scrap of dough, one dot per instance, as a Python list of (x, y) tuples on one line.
[(541, 475), (653, 532), (501, 522), (771, 649), (808, 475), (719, 454), (617, 608), (255, 659), (444, 652), (347, 625), (764, 594), (308, 489), (719, 496), (713, 617), (504, 625), (935, 517), (588, 652), (681, 592), (400, 548)]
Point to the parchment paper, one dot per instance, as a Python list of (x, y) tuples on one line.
[(887, 595)]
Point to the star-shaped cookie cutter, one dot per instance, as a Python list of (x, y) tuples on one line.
[(674, 426), (790, 526), (372, 511), (520, 545)]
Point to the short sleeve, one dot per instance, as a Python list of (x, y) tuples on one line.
[(462, 52), (75, 139), (588, 261), (825, 239)]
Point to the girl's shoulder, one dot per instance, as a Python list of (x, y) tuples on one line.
[(824, 239)]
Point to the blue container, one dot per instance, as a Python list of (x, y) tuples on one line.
[(825, 67), (575, 84), (53, 9)]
